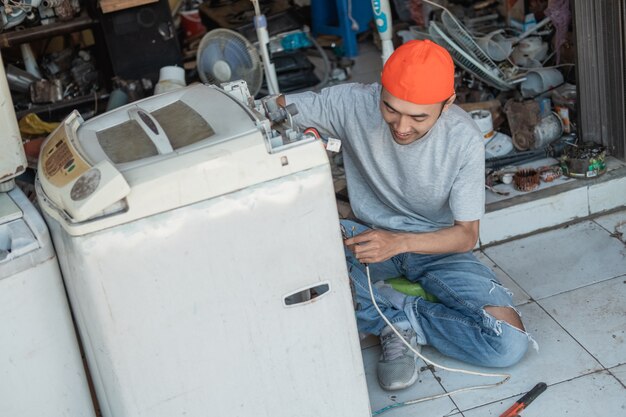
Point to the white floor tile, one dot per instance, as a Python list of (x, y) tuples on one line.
[(559, 359), (561, 260), (595, 395), (596, 317), (519, 295), (524, 218), (426, 386), (614, 223), (619, 372)]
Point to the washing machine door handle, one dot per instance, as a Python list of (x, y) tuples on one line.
[(152, 129)]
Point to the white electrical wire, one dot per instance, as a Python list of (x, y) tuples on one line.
[(354, 26), (260, 24), (505, 377)]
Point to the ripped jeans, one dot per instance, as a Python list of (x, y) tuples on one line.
[(457, 326)]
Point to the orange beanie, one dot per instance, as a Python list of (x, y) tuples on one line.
[(419, 72)]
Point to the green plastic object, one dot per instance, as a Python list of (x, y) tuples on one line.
[(403, 285)]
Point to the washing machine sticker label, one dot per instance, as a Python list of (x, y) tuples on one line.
[(61, 162)]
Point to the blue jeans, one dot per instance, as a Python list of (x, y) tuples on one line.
[(457, 326)]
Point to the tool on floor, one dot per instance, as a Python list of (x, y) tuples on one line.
[(525, 401)]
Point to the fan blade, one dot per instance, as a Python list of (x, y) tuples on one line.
[(237, 55), (211, 54)]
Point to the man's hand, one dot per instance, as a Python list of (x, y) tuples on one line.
[(379, 245), (376, 245)]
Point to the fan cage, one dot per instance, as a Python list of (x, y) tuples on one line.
[(252, 74), (466, 61), (456, 30)]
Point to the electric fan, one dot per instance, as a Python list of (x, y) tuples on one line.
[(225, 55)]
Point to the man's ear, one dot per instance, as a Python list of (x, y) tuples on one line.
[(449, 102)]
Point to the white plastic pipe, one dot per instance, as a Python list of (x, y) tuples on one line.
[(260, 24), (12, 157), (270, 72), (533, 29), (382, 17)]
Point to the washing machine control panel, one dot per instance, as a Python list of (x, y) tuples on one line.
[(76, 189), (60, 161)]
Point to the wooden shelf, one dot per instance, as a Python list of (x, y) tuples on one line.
[(109, 6), (18, 37)]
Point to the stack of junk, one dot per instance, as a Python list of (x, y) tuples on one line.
[(514, 75)]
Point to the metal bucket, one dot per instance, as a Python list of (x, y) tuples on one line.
[(549, 129)]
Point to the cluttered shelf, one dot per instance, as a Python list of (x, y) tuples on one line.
[(516, 69), (19, 36), (55, 57), (517, 76), (506, 194)]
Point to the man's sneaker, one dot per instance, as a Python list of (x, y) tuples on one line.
[(397, 366)]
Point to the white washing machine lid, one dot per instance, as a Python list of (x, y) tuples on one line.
[(8, 209), (163, 126), (158, 154), (24, 238), (16, 240)]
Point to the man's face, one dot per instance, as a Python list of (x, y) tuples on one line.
[(408, 121)]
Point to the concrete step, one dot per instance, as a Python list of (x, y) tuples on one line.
[(563, 201)]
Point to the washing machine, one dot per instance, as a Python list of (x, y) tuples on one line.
[(198, 236), (41, 369)]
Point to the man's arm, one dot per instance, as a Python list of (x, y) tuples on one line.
[(379, 245)]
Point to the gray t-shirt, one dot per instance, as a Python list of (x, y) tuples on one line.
[(420, 187)]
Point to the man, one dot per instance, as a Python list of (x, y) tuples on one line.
[(415, 170)]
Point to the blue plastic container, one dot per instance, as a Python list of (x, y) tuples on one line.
[(332, 17)]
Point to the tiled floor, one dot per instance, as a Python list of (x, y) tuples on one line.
[(570, 286)]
